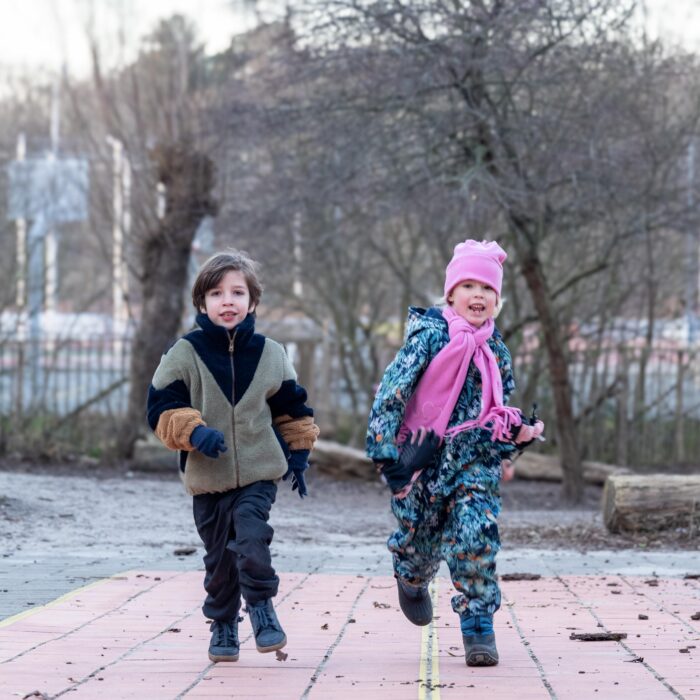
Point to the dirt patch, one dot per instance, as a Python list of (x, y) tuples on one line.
[(534, 513)]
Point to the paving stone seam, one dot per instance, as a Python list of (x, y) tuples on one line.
[(329, 652), (129, 651), (660, 606), (28, 613), (207, 669), (538, 664), (621, 642)]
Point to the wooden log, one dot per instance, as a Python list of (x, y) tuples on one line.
[(652, 502), (342, 461), (538, 467)]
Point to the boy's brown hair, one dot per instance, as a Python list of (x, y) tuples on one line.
[(214, 269)]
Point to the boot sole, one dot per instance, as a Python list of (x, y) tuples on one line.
[(481, 659), (273, 647), (419, 622), (217, 659)]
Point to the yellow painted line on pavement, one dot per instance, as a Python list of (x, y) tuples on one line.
[(33, 611), (429, 673)]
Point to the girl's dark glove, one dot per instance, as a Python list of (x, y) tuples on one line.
[(208, 441), (298, 464), (525, 426), (414, 457)]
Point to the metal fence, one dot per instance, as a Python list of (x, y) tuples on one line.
[(634, 405), (64, 376)]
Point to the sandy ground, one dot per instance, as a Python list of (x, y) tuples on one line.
[(74, 505)]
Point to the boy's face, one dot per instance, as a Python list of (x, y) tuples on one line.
[(473, 301), (228, 303)]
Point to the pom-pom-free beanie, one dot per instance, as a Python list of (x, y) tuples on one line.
[(476, 260)]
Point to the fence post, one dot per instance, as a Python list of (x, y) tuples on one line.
[(679, 423), (621, 453)]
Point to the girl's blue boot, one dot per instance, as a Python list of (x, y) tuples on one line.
[(479, 639)]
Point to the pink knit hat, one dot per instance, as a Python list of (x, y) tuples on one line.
[(476, 260)]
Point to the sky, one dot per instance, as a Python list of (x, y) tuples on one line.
[(45, 34)]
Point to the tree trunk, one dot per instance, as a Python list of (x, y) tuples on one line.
[(559, 375), (165, 253)]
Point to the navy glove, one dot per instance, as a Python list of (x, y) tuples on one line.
[(298, 464), (208, 441), (414, 457)]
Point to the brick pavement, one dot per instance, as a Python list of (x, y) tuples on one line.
[(141, 635)]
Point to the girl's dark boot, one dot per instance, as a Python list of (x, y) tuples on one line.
[(224, 640), (415, 603), (479, 639)]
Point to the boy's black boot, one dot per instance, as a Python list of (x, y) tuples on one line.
[(224, 640), (269, 635), (479, 639), (415, 603)]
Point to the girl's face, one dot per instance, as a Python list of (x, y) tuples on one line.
[(473, 301), (228, 303)]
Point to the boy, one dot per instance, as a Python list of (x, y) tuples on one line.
[(227, 399)]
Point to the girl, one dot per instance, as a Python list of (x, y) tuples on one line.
[(441, 434)]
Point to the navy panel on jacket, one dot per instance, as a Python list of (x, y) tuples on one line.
[(290, 400), (175, 395), (218, 361)]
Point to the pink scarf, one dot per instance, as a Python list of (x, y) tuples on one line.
[(436, 395)]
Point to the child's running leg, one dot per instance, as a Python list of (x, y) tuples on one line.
[(415, 547), (212, 516), (251, 545), (470, 545), (237, 537)]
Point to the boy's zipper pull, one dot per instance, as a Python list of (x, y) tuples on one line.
[(231, 341)]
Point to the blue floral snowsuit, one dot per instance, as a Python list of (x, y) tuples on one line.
[(450, 513)]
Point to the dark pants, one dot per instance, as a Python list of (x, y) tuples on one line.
[(236, 535)]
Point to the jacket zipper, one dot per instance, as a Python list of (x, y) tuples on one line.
[(231, 343)]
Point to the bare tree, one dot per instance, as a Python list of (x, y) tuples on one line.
[(526, 110), (153, 107)]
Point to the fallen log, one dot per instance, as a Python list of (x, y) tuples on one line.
[(344, 461), (341, 460), (538, 467), (652, 502)]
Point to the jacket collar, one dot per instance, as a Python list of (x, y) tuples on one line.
[(221, 338)]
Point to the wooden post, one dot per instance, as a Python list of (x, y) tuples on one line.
[(622, 409), (679, 427), (305, 368)]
